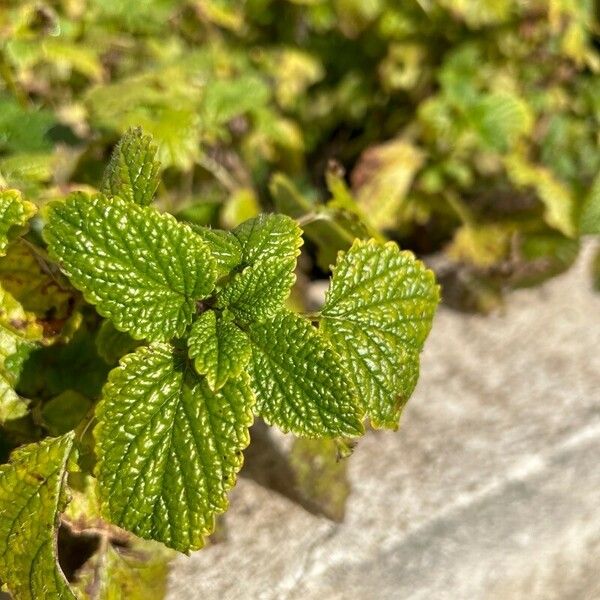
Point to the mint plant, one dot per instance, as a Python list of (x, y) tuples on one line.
[(210, 345)]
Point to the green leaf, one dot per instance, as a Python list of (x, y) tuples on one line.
[(14, 214), (500, 119), (299, 381), (168, 447), (143, 270), (220, 350), (26, 171), (24, 130), (268, 236), (378, 313), (225, 99), (65, 411), (260, 290), (112, 343), (270, 245), (590, 212), (169, 114), (556, 197), (133, 170), (224, 246), (31, 499)]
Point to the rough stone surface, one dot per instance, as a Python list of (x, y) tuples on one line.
[(490, 490)]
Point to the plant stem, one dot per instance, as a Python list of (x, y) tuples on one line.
[(13, 86)]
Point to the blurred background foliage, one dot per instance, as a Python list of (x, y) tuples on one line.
[(463, 129)]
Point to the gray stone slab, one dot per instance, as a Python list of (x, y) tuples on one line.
[(490, 489)]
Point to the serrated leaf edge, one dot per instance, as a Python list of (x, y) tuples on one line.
[(227, 485)]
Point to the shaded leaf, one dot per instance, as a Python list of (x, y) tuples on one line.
[(321, 477), (136, 571), (122, 565), (595, 270), (65, 411), (219, 349), (72, 364), (112, 343)]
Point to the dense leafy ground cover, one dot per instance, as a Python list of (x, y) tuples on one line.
[(467, 128), (289, 137)]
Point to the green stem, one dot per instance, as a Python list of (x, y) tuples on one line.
[(311, 217), (13, 86), (220, 173), (461, 209)]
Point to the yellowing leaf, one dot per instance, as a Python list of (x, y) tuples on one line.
[(481, 245), (382, 179), (45, 303), (31, 499), (14, 214), (556, 197), (12, 406)]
